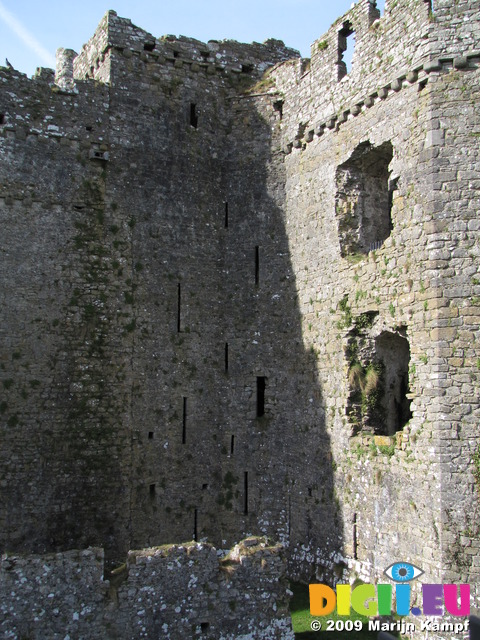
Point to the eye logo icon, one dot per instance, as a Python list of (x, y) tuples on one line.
[(403, 572)]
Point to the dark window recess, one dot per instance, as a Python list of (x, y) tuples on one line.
[(257, 265), (355, 541), (149, 46), (346, 44), (245, 493), (247, 68), (179, 308), (205, 54), (150, 435), (393, 351), (232, 445), (2, 118), (204, 487), (204, 626), (184, 421), (226, 215), (364, 199), (193, 115), (195, 525), (260, 396), (278, 106), (309, 492), (226, 357), (176, 54), (152, 491), (378, 378), (422, 84)]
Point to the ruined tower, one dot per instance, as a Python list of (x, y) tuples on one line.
[(240, 294)]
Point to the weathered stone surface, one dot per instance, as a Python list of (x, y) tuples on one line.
[(175, 591), (212, 318)]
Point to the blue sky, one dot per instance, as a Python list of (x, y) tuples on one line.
[(31, 31)]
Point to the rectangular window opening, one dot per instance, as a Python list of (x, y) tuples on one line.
[(195, 525), (179, 308), (232, 445), (193, 115), (152, 491), (355, 542), (184, 422), (226, 357), (257, 265), (431, 5), (260, 396), (204, 626), (2, 118), (226, 215), (245, 494), (346, 45), (278, 106), (150, 435)]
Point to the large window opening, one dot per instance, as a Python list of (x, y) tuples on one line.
[(378, 401), (393, 352), (364, 199)]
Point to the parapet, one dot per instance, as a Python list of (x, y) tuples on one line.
[(173, 591), (119, 34)]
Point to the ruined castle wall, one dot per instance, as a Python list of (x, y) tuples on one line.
[(211, 292), (244, 303), (169, 386), (172, 592), (385, 50), (455, 241), (396, 488), (54, 325)]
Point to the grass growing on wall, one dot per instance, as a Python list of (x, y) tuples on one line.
[(301, 620)]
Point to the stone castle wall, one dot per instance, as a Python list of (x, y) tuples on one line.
[(368, 295), (176, 591), (241, 294)]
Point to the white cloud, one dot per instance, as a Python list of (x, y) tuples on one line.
[(27, 38)]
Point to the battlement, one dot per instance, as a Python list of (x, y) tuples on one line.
[(402, 47), (120, 35)]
